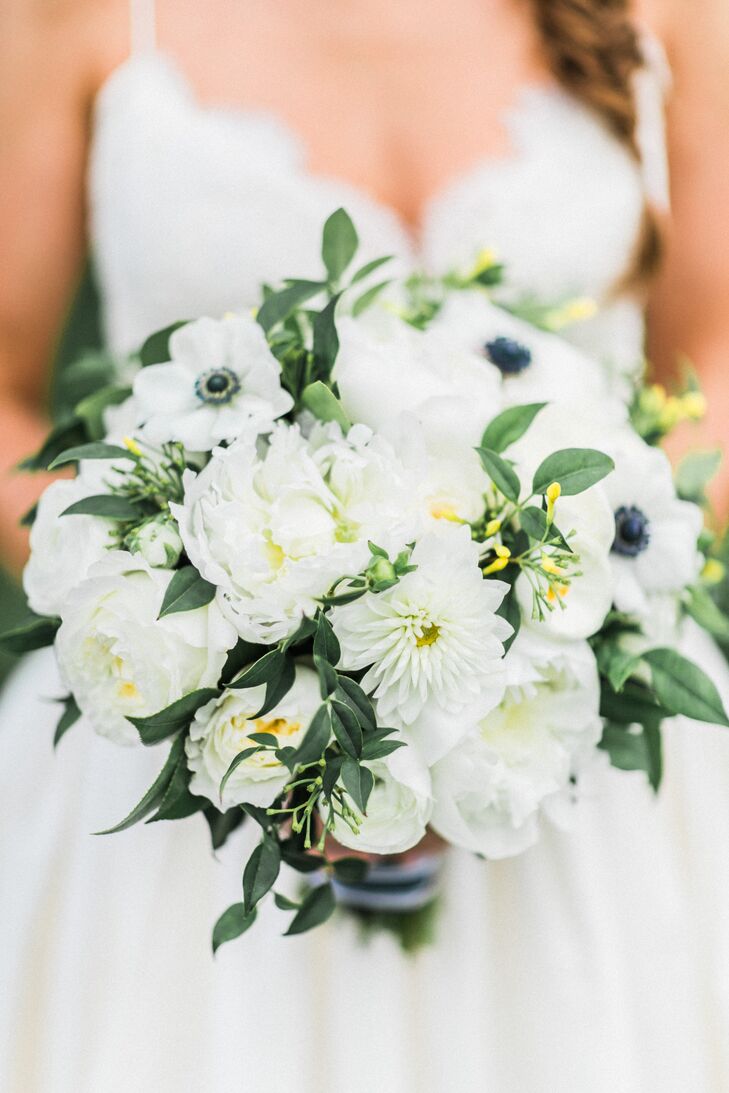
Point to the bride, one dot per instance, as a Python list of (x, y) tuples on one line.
[(198, 149)]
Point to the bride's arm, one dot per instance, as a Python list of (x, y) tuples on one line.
[(689, 312), (46, 80)]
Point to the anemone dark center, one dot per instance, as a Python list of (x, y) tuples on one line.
[(509, 356), (217, 386), (632, 531)]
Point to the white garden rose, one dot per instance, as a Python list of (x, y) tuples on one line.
[(529, 364), (655, 553), (275, 528), (221, 729), (120, 660), (432, 644), (398, 809), (62, 548), (385, 368), (516, 764), (221, 381)]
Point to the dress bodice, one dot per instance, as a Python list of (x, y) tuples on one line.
[(192, 207)]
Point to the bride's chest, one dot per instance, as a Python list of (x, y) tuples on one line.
[(192, 207)]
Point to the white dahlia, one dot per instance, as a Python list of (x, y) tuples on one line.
[(433, 643)]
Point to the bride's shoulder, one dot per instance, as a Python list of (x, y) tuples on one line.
[(76, 41)]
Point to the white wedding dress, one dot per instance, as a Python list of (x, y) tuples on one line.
[(598, 962)]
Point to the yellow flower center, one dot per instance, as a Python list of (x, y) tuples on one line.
[(429, 635), (443, 510)]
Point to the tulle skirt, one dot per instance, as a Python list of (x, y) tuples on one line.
[(598, 960)]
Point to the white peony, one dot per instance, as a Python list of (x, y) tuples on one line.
[(580, 609), (274, 530), (120, 660), (385, 368), (654, 554), (63, 548), (398, 809), (529, 364), (221, 381), (432, 644), (516, 764), (221, 729)]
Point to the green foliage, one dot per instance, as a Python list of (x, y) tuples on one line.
[(93, 450), (173, 718), (694, 473), (156, 792), (111, 506), (317, 907), (323, 404), (509, 426), (156, 349), (187, 591), (501, 473), (339, 244), (31, 632), (71, 714), (261, 871), (231, 924), (576, 469), (684, 688)]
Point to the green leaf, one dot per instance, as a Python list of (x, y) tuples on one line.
[(358, 781), (350, 692), (509, 426), (186, 592), (534, 522), (71, 714), (576, 469), (317, 908), (347, 729), (267, 668), (32, 632), (317, 737), (379, 747), (616, 664), (280, 305), (235, 762), (634, 705), (91, 409), (305, 629), (261, 871), (325, 337), (231, 924), (303, 861), (367, 298), (327, 676), (156, 349), (154, 795), (173, 718), (331, 773), (350, 870), (339, 243), (221, 824), (694, 472), (109, 505), (284, 903), (684, 688), (277, 688), (627, 750), (654, 747), (64, 435), (324, 405), (703, 609), (95, 450), (501, 473), (509, 609), (325, 641), (369, 267), (178, 802)]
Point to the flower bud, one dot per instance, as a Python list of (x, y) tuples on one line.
[(381, 572), (158, 541)]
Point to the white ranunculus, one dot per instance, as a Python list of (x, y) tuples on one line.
[(530, 365), (654, 554), (63, 548), (398, 810), (274, 529), (221, 729), (385, 368), (581, 609), (516, 764), (432, 644), (119, 660), (221, 381)]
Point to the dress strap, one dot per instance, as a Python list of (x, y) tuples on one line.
[(143, 30), (652, 87)]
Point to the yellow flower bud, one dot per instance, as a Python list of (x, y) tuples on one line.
[(549, 566), (694, 405), (553, 492), (485, 259), (573, 311), (131, 445), (496, 566), (502, 551), (714, 571), (492, 527)]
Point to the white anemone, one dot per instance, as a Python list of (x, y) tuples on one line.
[(221, 381)]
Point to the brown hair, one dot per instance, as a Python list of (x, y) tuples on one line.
[(593, 51)]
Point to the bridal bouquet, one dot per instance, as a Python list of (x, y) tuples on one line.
[(372, 559)]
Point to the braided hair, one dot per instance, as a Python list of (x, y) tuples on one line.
[(593, 51)]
